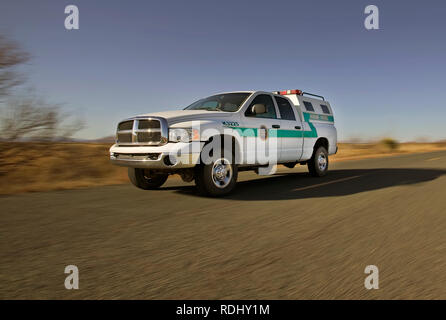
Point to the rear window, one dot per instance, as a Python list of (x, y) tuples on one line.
[(325, 109), (308, 106), (286, 111)]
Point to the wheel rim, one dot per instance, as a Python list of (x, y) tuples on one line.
[(322, 162), (221, 173)]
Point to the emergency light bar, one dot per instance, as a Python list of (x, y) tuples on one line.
[(298, 92), (284, 92)]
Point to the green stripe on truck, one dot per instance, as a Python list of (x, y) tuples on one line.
[(317, 117), (280, 133), (283, 133)]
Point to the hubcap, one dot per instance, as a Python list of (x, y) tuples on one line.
[(322, 162), (221, 173)]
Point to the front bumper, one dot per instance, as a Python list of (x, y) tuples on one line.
[(169, 156)]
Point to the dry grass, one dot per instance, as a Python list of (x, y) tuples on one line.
[(356, 151), (30, 167), (27, 167)]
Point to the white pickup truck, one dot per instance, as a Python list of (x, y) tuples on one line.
[(213, 139)]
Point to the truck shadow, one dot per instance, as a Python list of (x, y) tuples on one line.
[(336, 183)]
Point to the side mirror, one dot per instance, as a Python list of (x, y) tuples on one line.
[(258, 109)]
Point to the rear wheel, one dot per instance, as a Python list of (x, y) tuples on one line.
[(146, 179), (217, 178), (318, 164)]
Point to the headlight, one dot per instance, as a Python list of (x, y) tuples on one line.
[(184, 135)]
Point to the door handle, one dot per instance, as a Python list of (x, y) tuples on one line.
[(298, 127), (275, 126)]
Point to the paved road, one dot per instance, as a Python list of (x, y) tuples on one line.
[(281, 237)]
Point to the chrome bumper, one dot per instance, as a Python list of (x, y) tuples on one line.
[(170, 156)]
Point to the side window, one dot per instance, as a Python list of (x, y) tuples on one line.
[(285, 109), (308, 106), (267, 102), (325, 109)]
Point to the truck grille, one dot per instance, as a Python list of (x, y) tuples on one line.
[(148, 136), (142, 131), (148, 124), (126, 125), (125, 137)]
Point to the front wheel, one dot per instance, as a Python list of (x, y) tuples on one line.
[(217, 178), (318, 164), (145, 179)]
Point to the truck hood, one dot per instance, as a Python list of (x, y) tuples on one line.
[(177, 116)]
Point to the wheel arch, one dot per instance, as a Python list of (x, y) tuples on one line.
[(322, 141)]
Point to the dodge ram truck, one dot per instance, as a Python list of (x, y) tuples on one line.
[(214, 138)]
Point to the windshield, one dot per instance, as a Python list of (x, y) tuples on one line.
[(229, 102)]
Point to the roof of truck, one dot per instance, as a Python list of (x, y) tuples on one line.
[(302, 95)]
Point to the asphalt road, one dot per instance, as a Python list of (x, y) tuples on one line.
[(288, 236)]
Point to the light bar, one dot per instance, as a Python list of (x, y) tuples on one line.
[(285, 92)]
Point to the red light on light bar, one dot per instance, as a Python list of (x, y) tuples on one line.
[(284, 92)]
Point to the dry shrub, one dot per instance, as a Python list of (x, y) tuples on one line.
[(389, 144)]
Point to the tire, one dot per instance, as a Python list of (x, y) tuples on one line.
[(318, 164), (218, 178), (142, 179)]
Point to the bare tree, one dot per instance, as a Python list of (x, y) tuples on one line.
[(11, 56), (30, 117), (26, 116)]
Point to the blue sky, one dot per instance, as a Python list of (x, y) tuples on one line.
[(131, 57)]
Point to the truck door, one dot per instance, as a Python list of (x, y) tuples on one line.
[(261, 130), (290, 132)]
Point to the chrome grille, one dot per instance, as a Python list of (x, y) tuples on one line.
[(151, 131), (125, 125), (125, 137), (148, 136), (148, 124)]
